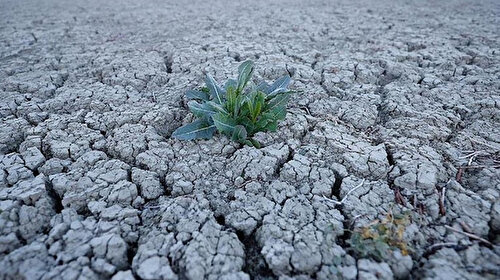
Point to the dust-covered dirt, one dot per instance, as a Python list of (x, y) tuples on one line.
[(397, 111)]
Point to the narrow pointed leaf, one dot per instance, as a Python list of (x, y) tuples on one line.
[(245, 72), (195, 130), (263, 86), (198, 95), (258, 104), (278, 101), (280, 85), (215, 90)]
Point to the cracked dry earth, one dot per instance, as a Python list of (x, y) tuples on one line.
[(404, 95)]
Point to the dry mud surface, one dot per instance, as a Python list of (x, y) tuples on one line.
[(404, 95)]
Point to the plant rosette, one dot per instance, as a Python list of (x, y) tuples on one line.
[(239, 109)]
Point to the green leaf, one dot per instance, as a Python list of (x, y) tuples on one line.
[(245, 73), (195, 130), (263, 121), (267, 122), (224, 123), (250, 87), (271, 126), (217, 107), (198, 95), (248, 142), (231, 83), (277, 106), (203, 110), (255, 143), (263, 86), (258, 102), (233, 100), (215, 90), (247, 123), (279, 113), (239, 133), (255, 103), (280, 85)]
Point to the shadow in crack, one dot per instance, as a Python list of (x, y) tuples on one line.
[(255, 265)]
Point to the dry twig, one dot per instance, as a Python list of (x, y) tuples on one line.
[(475, 153), (442, 209), (440, 245), (353, 220), (470, 235), (480, 166), (399, 197), (459, 174), (346, 196), (483, 143)]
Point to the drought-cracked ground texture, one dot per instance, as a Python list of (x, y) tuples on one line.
[(404, 95)]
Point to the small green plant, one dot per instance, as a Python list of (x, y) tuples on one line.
[(379, 238), (238, 110)]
